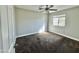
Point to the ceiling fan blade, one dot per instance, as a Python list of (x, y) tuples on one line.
[(51, 6), (53, 9), (40, 8)]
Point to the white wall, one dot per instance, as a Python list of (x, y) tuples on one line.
[(72, 23), (29, 22)]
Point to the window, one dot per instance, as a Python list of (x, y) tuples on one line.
[(59, 20), (55, 21)]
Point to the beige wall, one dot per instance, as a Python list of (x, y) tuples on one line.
[(29, 22), (72, 23)]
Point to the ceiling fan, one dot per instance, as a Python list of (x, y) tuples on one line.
[(47, 8)]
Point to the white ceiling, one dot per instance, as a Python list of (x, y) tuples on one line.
[(36, 7)]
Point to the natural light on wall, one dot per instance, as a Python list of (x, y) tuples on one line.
[(42, 29)]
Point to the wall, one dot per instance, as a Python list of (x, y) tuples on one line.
[(72, 23), (29, 22), (0, 35)]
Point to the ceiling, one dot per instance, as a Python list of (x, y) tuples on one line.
[(36, 7)]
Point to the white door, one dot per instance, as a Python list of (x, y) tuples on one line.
[(7, 28)]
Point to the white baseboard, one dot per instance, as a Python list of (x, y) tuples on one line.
[(26, 34), (67, 36), (53, 32), (12, 49)]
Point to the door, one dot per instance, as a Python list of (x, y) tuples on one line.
[(7, 28)]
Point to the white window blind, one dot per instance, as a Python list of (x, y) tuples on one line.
[(59, 20)]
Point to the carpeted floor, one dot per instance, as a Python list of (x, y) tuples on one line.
[(46, 43)]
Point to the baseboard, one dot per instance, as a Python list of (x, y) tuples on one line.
[(26, 34), (67, 36), (12, 49)]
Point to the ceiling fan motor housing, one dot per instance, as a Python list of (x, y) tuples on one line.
[(46, 8)]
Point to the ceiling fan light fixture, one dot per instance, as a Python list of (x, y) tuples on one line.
[(47, 8)]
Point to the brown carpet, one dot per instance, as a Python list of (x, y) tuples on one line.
[(46, 43)]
